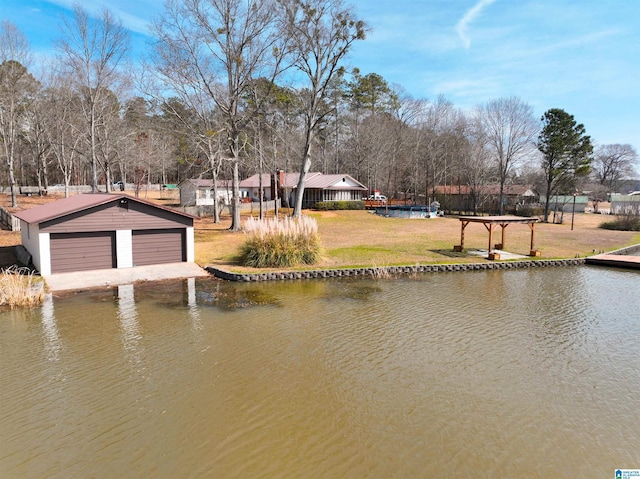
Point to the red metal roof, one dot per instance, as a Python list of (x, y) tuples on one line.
[(73, 204)]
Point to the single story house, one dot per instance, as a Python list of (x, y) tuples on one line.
[(199, 192), (102, 231), (318, 187)]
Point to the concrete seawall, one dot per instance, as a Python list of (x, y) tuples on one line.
[(385, 271)]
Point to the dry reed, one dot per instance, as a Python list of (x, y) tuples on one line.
[(19, 287), (277, 242)]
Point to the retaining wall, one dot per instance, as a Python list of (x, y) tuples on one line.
[(381, 272)]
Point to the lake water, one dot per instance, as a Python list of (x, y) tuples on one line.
[(519, 373)]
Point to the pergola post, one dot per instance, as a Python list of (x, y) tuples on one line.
[(533, 251), (460, 247), (489, 227), (503, 242)]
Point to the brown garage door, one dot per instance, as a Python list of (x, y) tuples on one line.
[(158, 246), (82, 251)]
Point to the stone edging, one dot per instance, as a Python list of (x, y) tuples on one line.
[(385, 271)]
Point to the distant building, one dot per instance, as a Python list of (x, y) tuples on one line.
[(626, 204), (318, 187), (566, 203), (485, 198), (199, 192)]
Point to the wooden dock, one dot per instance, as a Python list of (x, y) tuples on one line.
[(616, 260)]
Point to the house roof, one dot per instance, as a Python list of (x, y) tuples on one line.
[(290, 180), (334, 182), (566, 199), (626, 198), (73, 204), (204, 183), (315, 180), (509, 190)]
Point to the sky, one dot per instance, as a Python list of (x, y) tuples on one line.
[(579, 55)]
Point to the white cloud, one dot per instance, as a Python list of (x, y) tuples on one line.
[(468, 17), (121, 9)]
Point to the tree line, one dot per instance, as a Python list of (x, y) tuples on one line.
[(231, 88)]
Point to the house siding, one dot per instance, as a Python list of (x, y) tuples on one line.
[(112, 216)]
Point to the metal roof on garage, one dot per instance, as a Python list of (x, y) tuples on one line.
[(76, 203)]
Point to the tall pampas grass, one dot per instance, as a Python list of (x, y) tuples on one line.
[(19, 287), (280, 243)]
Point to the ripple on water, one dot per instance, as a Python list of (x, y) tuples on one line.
[(526, 372)]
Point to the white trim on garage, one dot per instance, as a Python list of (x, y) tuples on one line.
[(124, 249)]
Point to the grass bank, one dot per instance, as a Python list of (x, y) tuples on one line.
[(360, 239)]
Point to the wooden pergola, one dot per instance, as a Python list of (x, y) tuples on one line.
[(490, 222)]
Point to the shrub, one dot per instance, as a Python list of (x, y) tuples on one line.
[(529, 211), (19, 287), (339, 205), (280, 243), (623, 223)]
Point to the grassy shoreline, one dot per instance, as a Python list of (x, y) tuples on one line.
[(354, 239)]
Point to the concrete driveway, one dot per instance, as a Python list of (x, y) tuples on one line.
[(115, 276)]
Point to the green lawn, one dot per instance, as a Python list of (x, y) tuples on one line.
[(360, 238)]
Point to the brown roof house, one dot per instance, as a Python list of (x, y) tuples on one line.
[(101, 231), (318, 187)]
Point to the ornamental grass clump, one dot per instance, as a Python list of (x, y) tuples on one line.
[(281, 243), (19, 287)]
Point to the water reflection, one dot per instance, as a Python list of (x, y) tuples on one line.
[(192, 304), (129, 327), (526, 373), (50, 329)]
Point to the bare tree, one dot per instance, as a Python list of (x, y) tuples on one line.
[(93, 50), (17, 90), (611, 163), (58, 109), (36, 138), (321, 32), (435, 121), (212, 50), (475, 164), (510, 132)]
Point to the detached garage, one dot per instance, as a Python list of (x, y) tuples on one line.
[(102, 231)]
